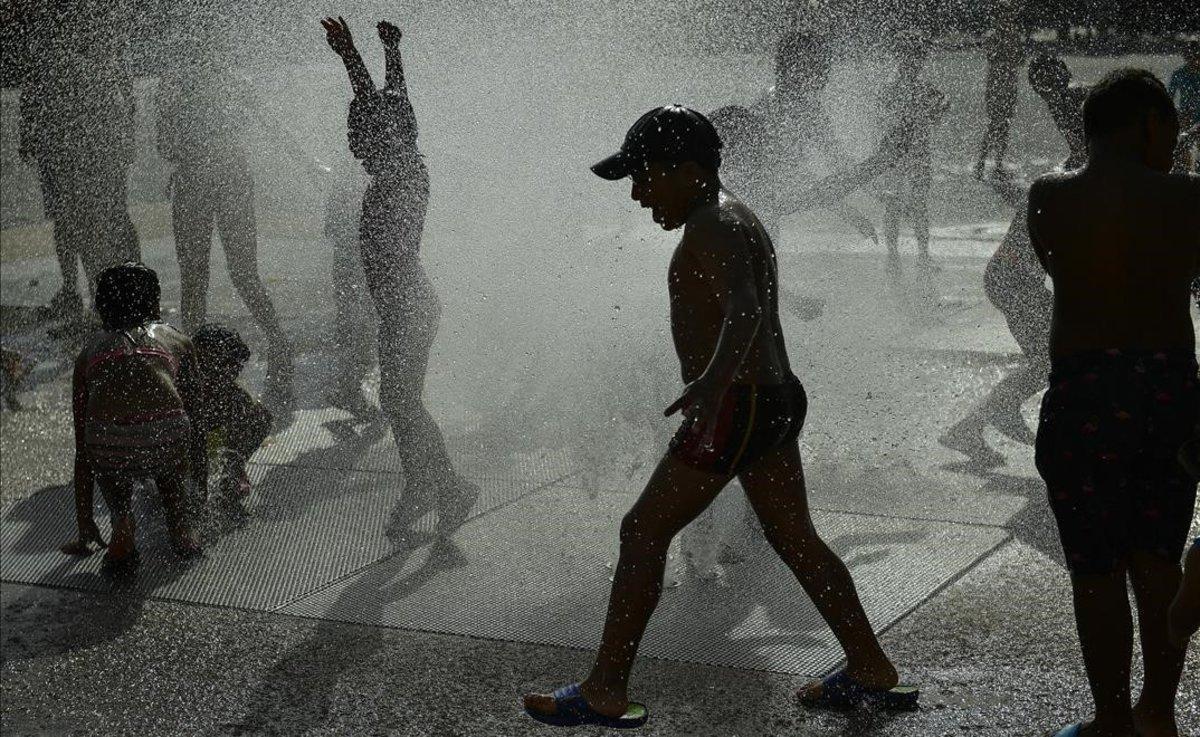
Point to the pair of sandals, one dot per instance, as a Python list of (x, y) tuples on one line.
[(838, 692)]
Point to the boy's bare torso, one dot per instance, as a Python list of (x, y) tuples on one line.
[(724, 243), (1121, 244)]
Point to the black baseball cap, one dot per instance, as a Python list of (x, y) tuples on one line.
[(672, 133)]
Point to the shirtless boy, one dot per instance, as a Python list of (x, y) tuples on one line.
[(1120, 238), (133, 382), (743, 411)]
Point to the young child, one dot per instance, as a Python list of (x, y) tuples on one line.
[(743, 410), (1120, 238), (911, 180), (133, 382), (226, 419)]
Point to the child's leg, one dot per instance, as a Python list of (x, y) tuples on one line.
[(922, 178), (1105, 626), (675, 495), (1155, 583), (173, 493), (1184, 617), (118, 496), (775, 487)]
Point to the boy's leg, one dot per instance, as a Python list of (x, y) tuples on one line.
[(922, 179), (1105, 626), (239, 237), (191, 225), (175, 508), (1155, 582), (675, 495), (1185, 609), (775, 487)]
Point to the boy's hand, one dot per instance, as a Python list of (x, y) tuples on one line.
[(337, 35), (89, 534), (701, 405), (389, 34)]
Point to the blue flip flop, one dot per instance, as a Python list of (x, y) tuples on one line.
[(572, 710), (839, 691), (1071, 731)]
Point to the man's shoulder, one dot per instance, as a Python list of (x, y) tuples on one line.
[(1053, 181)]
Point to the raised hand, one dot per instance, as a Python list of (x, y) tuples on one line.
[(389, 34), (337, 35)]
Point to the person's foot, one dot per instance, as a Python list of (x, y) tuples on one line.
[(608, 703), (881, 676), (352, 401), (1095, 729), (979, 169), (1149, 723)]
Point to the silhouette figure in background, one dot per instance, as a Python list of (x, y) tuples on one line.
[(786, 127), (204, 115), (382, 129), (34, 148), (1184, 87), (77, 123), (1005, 47), (743, 411), (226, 420), (909, 182), (1120, 238), (1051, 80), (354, 324), (133, 388)]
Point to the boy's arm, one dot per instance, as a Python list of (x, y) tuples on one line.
[(723, 254), (188, 385), (390, 35), (895, 143), (337, 35)]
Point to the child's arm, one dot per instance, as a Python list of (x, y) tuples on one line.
[(337, 34), (85, 476)]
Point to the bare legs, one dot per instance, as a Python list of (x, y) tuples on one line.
[(674, 496)]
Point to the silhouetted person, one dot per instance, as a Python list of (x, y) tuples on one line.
[(133, 385), (743, 411), (34, 148), (204, 116), (1120, 239), (383, 135), (1005, 47), (910, 181), (225, 418), (1051, 80), (1184, 87), (787, 126), (77, 123), (354, 320)]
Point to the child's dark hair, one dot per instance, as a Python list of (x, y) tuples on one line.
[(127, 296), (221, 342), (1123, 98)]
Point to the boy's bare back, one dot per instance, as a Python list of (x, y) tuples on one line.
[(1121, 243)]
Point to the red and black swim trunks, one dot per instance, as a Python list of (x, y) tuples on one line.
[(1112, 424), (754, 419)]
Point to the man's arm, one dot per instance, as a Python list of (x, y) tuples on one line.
[(337, 35)]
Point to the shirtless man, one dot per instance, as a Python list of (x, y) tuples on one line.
[(743, 411), (1120, 238), (133, 385)]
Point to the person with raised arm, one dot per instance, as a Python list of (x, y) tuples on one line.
[(382, 131)]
